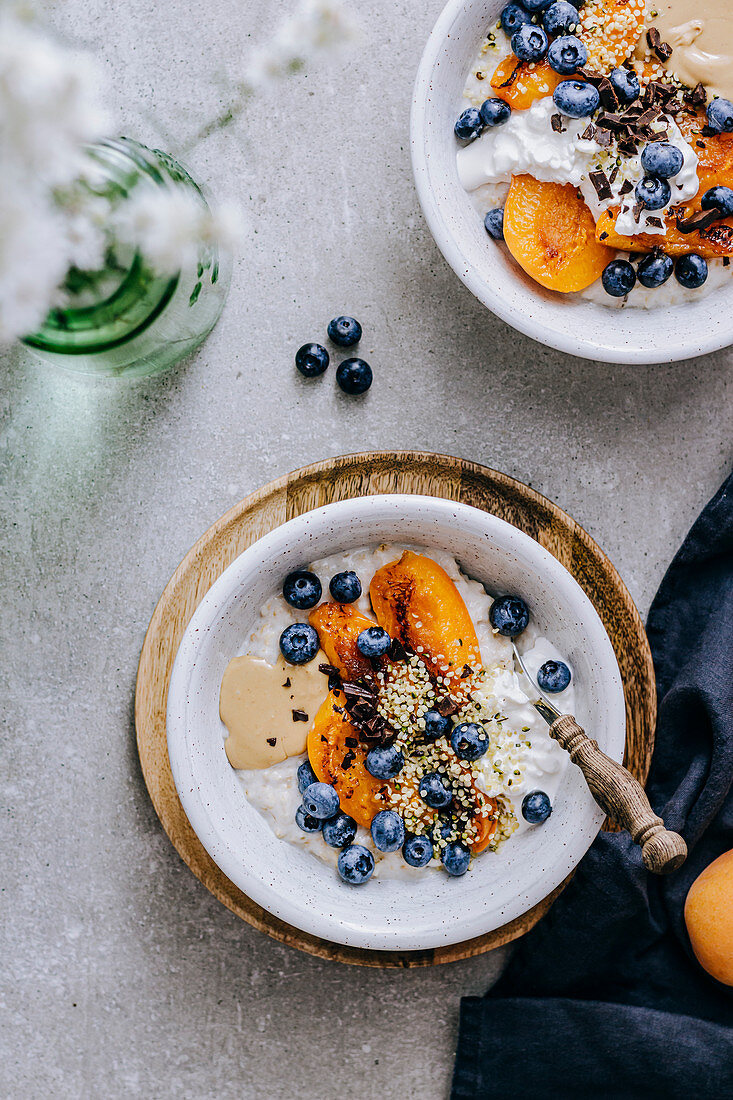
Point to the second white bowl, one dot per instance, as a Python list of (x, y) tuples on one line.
[(572, 325)]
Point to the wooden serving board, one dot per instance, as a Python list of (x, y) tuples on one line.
[(341, 479)]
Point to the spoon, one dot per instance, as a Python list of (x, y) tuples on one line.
[(613, 787)]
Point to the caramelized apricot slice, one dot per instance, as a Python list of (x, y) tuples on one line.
[(339, 625), (551, 234), (344, 766), (715, 241), (610, 31), (520, 83), (485, 826), (415, 600)]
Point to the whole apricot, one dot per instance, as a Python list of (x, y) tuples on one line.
[(709, 918)]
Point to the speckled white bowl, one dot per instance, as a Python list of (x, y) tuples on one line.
[(432, 909), (579, 327)]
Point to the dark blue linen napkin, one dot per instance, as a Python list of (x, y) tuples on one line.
[(604, 998)]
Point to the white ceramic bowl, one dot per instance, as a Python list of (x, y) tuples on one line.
[(573, 325), (386, 913)]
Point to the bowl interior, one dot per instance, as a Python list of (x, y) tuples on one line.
[(569, 324), (387, 914)]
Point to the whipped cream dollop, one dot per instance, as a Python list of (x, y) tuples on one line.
[(527, 144)]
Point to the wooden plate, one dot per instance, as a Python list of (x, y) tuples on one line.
[(340, 479)]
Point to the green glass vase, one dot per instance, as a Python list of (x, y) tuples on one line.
[(125, 318)]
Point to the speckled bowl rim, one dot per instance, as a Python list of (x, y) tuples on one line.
[(638, 336), (199, 800)]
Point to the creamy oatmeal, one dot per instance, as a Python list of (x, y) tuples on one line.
[(508, 753)]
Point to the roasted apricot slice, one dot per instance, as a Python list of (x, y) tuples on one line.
[(715, 241), (551, 234), (342, 765), (610, 31), (485, 826), (339, 626), (415, 600), (520, 83)]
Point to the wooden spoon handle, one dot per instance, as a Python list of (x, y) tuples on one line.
[(622, 797)]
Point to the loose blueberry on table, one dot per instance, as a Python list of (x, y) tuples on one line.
[(344, 331), (354, 376), (311, 360)]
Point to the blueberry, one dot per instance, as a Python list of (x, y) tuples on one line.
[(299, 643), (436, 725), (469, 124), (306, 776), (456, 858), (536, 807), (417, 851), (469, 740), (553, 676), (345, 587), (722, 197), (494, 111), (373, 642), (494, 223), (653, 193), (433, 790), (654, 269), (388, 831), (536, 5), (560, 17), (576, 98), (339, 830), (691, 271), (356, 864), (302, 589), (567, 54), (354, 376), (720, 115), (529, 43), (661, 159), (513, 17), (618, 278), (509, 615), (321, 800), (625, 84), (344, 331), (311, 360), (307, 822), (384, 762)]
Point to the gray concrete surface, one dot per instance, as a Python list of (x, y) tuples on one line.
[(121, 975)]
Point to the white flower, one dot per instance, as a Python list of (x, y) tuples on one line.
[(48, 111), (169, 227), (313, 27)]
